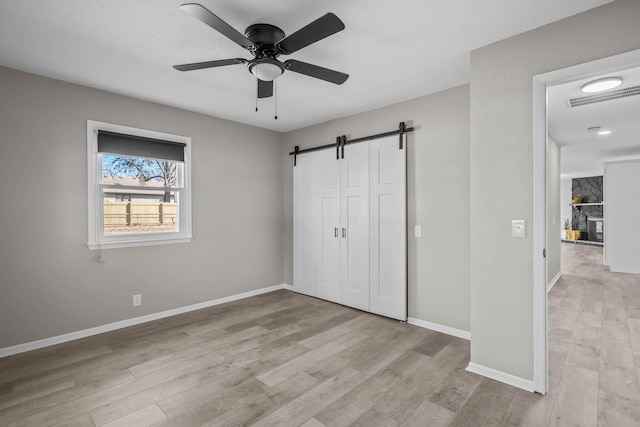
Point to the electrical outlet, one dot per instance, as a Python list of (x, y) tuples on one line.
[(417, 231), (137, 300)]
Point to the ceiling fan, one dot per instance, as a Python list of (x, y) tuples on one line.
[(266, 42)]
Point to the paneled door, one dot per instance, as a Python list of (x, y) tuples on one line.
[(306, 217), (354, 230), (328, 253), (388, 228)]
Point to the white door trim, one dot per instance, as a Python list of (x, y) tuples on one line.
[(540, 83), (539, 235)]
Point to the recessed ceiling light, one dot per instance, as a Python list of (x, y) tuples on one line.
[(594, 128), (601, 84), (604, 132)]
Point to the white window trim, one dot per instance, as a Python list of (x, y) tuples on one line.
[(95, 240)]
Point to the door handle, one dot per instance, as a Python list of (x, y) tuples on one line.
[(344, 233), (335, 232)]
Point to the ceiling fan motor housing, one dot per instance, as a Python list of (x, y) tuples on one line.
[(264, 37)]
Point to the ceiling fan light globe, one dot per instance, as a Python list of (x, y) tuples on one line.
[(266, 71)]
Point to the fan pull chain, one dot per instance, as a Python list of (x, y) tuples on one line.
[(257, 89), (275, 99)]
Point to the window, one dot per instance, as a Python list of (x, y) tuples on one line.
[(139, 187)]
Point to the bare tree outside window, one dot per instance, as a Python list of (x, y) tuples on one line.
[(147, 171)]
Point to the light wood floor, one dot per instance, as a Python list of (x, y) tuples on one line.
[(594, 342), (283, 359)]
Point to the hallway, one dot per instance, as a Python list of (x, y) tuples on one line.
[(594, 342)]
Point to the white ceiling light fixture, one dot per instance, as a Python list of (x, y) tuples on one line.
[(604, 132), (600, 85), (266, 70)]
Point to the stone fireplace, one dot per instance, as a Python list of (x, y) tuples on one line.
[(588, 219)]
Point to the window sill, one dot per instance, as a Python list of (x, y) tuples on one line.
[(113, 244)]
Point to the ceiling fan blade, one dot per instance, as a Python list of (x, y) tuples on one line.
[(265, 89), (316, 71), (205, 15), (317, 30), (209, 64)]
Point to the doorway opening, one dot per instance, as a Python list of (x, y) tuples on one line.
[(542, 223)]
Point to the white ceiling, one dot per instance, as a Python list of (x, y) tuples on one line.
[(583, 152), (393, 50)]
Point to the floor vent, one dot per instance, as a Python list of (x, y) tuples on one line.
[(605, 96)]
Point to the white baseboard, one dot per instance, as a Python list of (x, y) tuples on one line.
[(501, 376), (21, 348), (287, 287), (440, 328), (553, 281)]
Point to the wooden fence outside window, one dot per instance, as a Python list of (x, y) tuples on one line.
[(118, 214)]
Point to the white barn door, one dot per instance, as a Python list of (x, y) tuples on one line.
[(306, 217), (328, 255), (388, 228), (349, 219), (355, 226)]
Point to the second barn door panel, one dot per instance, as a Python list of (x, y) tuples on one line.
[(388, 225), (354, 221), (328, 254)]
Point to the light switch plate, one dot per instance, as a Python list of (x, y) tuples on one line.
[(417, 231), (518, 228)]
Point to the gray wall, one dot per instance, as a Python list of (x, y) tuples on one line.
[(554, 221), (437, 196), (502, 170), (51, 283), (622, 197)]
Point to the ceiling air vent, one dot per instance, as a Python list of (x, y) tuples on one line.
[(605, 96)]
